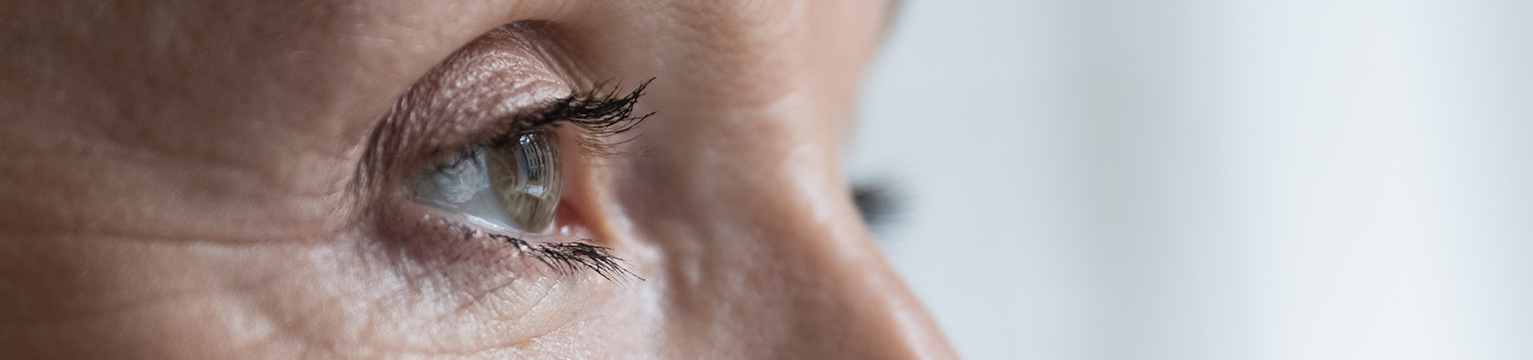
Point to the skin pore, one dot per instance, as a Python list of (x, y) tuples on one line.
[(205, 180)]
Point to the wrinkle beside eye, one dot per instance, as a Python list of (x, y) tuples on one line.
[(131, 194)]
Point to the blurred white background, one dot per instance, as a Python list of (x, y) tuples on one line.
[(1296, 179)]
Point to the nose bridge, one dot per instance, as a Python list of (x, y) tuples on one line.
[(846, 300), (763, 252), (765, 255), (794, 261)]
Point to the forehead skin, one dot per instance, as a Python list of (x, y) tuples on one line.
[(168, 166)]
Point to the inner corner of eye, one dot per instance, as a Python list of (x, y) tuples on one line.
[(511, 185)]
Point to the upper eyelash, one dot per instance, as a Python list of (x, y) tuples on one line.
[(880, 203), (600, 114)]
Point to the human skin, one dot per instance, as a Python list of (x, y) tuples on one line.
[(188, 180)]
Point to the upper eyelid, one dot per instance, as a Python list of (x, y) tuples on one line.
[(412, 139), (412, 136), (453, 107), (598, 113), (505, 82)]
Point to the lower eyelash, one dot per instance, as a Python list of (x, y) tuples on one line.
[(564, 258), (570, 257)]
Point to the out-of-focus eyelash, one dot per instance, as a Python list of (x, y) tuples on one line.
[(600, 115), (881, 203)]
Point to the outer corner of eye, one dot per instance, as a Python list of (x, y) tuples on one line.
[(512, 184)]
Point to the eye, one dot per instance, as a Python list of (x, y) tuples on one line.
[(509, 184), (485, 163)]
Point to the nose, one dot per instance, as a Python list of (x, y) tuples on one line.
[(764, 256), (847, 301)]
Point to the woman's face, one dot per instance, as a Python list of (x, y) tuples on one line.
[(402, 179)]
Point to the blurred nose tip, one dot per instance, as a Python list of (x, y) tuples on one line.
[(898, 327), (876, 316)]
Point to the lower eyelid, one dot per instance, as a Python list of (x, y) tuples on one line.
[(431, 236), (428, 265)]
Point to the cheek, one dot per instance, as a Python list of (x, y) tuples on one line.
[(356, 295), (745, 247)]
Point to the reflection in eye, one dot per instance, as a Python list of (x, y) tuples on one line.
[(525, 176), (509, 185)]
